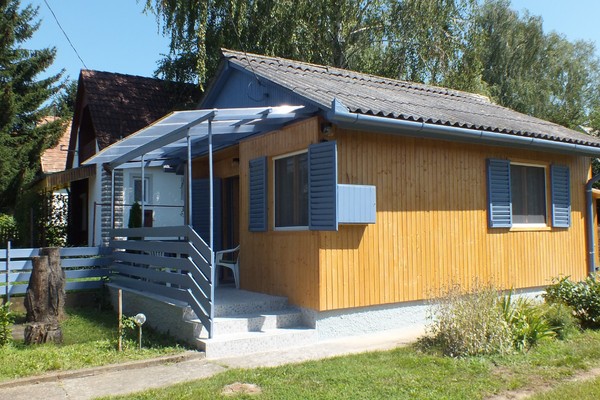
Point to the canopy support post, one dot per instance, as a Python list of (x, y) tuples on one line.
[(112, 199), (143, 193), (211, 218), (189, 177)]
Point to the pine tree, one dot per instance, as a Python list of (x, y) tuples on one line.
[(24, 101)]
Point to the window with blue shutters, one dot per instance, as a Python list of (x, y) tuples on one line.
[(517, 195), (257, 218)]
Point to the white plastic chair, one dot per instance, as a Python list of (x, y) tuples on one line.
[(233, 265)]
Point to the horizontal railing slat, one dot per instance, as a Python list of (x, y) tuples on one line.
[(152, 246), (153, 274), (87, 273), (84, 285), (85, 262)]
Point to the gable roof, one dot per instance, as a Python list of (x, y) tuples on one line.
[(372, 95), (121, 104)]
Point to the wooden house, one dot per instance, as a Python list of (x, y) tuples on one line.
[(381, 191), (108, 107)]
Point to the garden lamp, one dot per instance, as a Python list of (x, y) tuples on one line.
[(139, 320)]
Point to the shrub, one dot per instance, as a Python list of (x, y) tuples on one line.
[(6, 320), (526, 320), (135, 216), (8, 229), (561, 319), (583, 297), (468, 323)]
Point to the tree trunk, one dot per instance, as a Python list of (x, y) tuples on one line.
[(45, 298)]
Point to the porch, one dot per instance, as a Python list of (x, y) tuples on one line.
[(166, 273)]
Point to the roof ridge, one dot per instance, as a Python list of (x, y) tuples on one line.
[(360, 75), (91, 72)]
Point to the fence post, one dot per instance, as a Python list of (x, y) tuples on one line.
[(7, 271)]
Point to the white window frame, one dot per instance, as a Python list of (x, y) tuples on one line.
[(147, 187), (274, 159), (534, 225)]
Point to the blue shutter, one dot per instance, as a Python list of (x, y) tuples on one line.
[(561, 196), (322, 186), (200, 210), (499, 201), (257, 218)]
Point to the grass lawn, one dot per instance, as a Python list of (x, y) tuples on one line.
[(404, 373), (90, 338)]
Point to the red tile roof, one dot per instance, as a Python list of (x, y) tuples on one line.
[(121, 104), (55, 159)]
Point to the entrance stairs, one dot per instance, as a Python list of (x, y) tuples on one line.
[(247, 322)]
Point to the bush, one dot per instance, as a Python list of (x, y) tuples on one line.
[(467, 324), (583, 297), (8, 229), (561, 319), (6, 320), (526, 320)]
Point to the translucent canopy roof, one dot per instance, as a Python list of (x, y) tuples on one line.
[(166, 140)]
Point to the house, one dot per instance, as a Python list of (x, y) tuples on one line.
[(111, 106), (374, 193)]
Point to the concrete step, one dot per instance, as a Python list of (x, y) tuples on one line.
[(256, 342), (255, 322), (233, 302)]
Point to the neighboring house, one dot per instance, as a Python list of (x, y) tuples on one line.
[(382, 191), (109, 107)]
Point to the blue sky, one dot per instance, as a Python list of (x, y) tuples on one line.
[(114, 35)]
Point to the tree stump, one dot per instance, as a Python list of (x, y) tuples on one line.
[(45, 298)]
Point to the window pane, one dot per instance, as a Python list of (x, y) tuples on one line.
[(137, 190), (291, 191), (528, 192)]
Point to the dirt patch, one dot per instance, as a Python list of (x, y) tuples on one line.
[(542, 386), (241, 388)]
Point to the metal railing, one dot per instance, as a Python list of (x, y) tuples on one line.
[(172, 262), (85, 268)]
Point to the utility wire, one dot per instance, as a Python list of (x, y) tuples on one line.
[(65, 33)]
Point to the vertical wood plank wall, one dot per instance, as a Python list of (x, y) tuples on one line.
[(432, 224), (276, 262)]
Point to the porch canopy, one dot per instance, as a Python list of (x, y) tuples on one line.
[(184, 134)]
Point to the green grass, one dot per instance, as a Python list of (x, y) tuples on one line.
[(403, 373), (90, 338)]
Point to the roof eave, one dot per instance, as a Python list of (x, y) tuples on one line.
[(340, 115)]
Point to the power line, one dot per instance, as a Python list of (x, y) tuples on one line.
[(65, 33)]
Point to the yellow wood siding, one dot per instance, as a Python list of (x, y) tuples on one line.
[(276, 262), (432, 224)]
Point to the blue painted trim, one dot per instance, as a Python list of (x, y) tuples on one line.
[(499, 195), (561, 196), (322, 187), (257, 195)]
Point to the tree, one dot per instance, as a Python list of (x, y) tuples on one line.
[(539, 74), (23, 131), (481, 47)]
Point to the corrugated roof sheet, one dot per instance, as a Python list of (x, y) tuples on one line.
[(121, 104), (373, 95)]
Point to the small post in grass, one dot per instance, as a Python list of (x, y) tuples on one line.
[(120, 314)]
